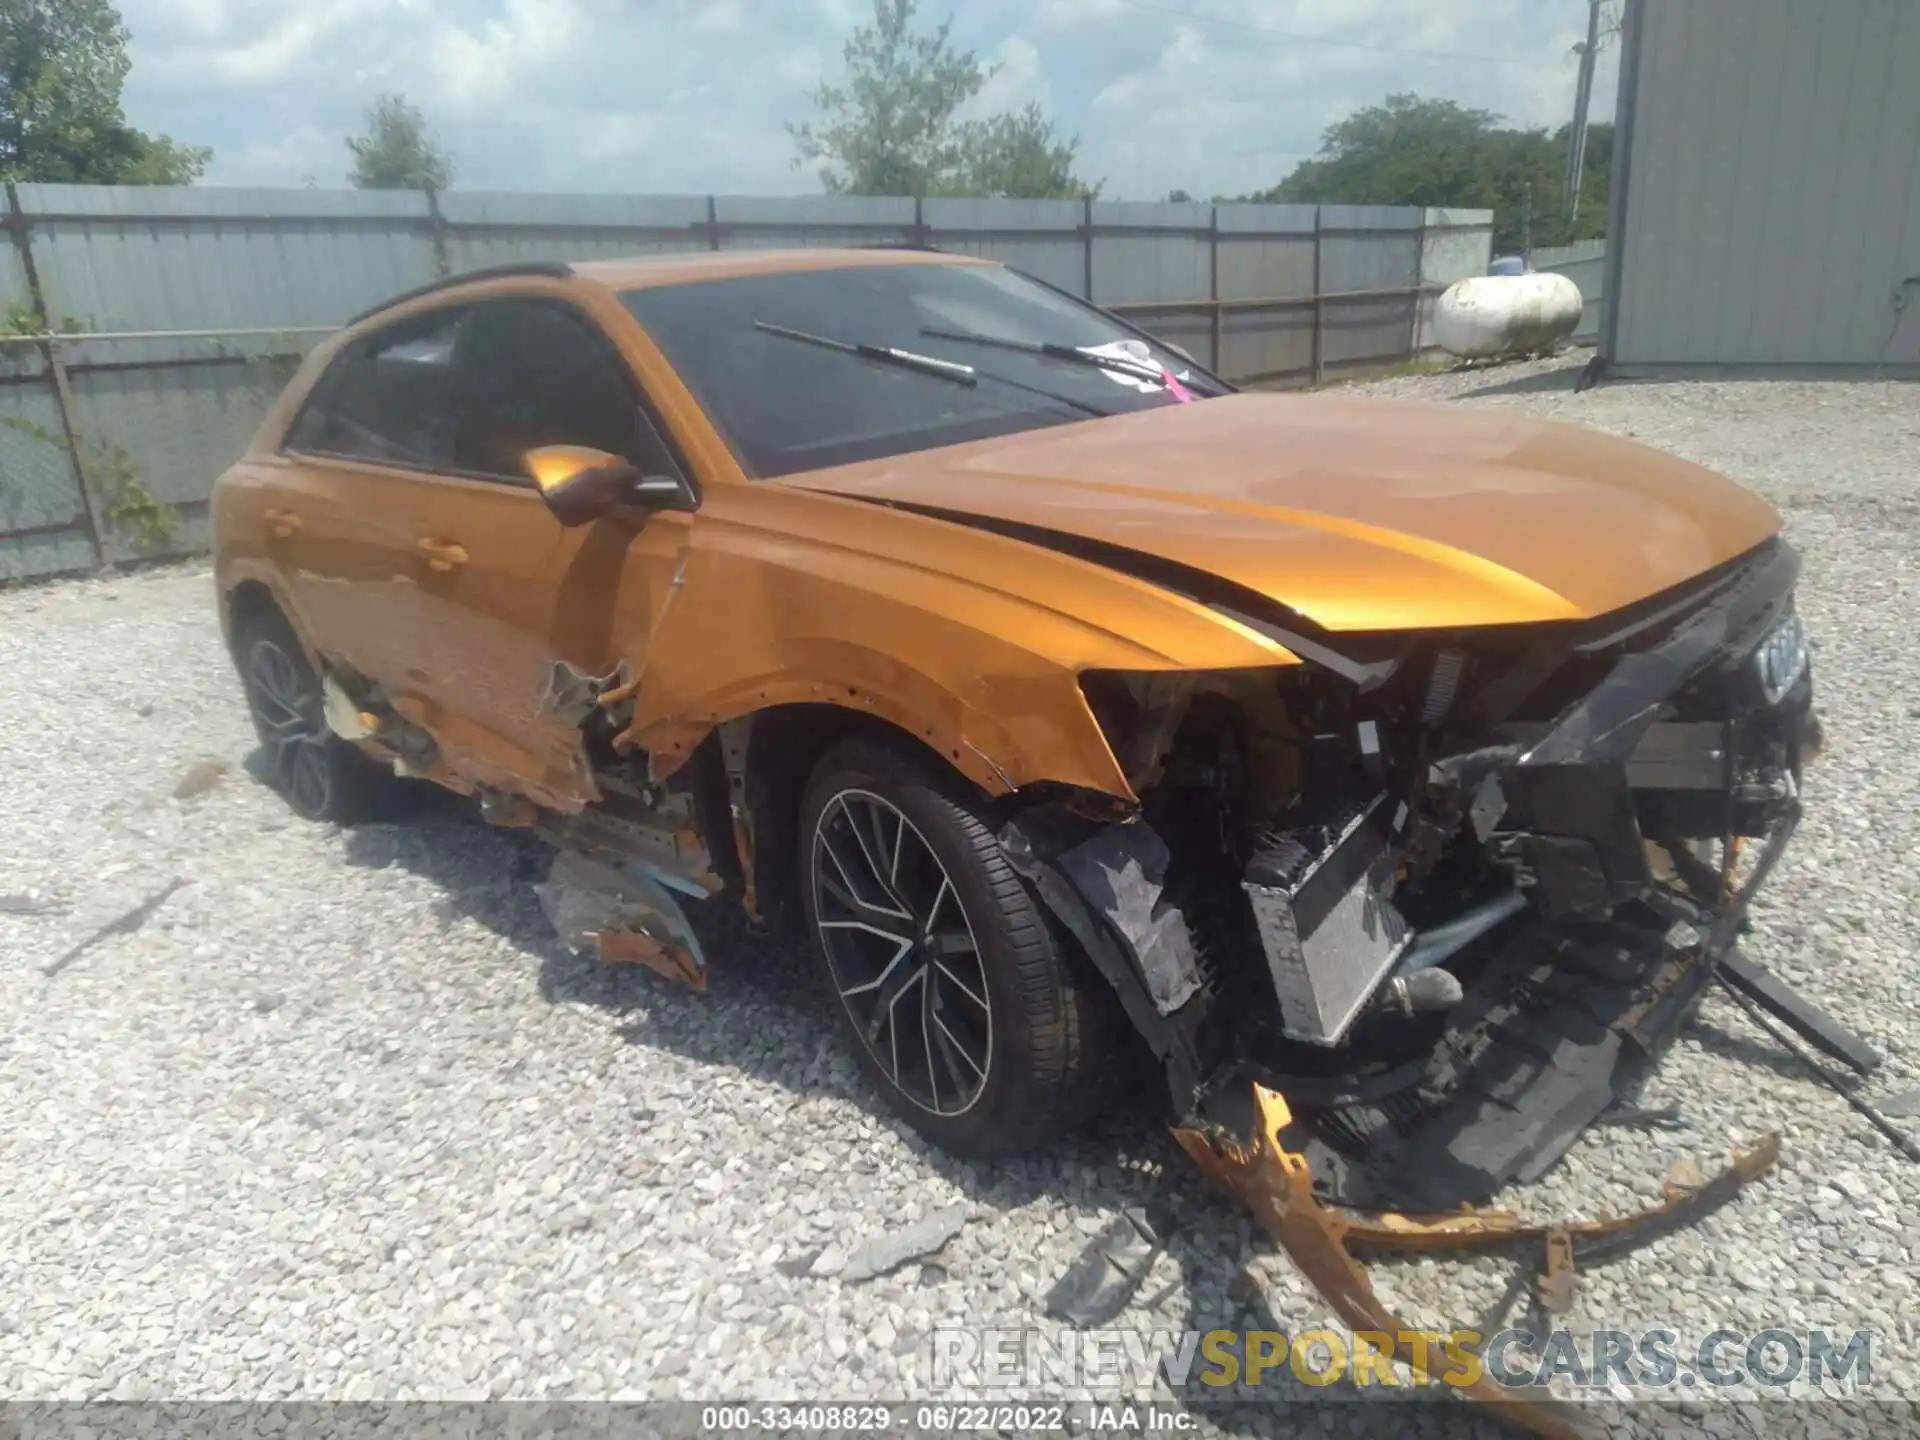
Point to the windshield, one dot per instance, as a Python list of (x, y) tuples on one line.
[(786, 406)]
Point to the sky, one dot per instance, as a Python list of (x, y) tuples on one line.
[(693, 96)]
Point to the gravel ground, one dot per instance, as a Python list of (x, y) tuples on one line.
[(343, 1121)]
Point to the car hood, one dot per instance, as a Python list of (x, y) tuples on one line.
[(1359, 514)]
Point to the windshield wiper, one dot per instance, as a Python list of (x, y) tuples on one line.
[(927, 365), (1119, 365), (886, 354)]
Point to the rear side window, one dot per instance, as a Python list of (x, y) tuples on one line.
[(391, 399)]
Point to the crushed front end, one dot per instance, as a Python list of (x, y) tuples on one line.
[(1446, 893)]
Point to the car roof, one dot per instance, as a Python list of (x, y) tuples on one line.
[(640, 272), (643, 272)]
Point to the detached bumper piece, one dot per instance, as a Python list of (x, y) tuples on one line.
[(621, 914), (1275, 1183)]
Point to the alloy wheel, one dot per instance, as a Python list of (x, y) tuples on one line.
[(287, 709), (901, 952)]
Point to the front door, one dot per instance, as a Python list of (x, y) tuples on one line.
[(462, 590)]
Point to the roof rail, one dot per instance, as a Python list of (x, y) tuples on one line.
[(553, 269)]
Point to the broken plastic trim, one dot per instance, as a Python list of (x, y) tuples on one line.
[(1277, 1186), (625, 916), (1117, 927), (1606, 724)]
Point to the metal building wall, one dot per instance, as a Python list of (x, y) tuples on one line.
[(1769, 209)]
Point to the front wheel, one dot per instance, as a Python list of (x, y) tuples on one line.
[(959, 1000)]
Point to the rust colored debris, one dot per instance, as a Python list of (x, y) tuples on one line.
[(1277, 1186)]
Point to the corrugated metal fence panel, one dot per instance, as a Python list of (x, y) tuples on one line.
[(147, 258), (1454, 244), (42, 525), (761, 222), (1585, 263), (1166, 259), (1148, 253), (160, 425), (497, 228), (1266, 253), (1368, 247), (1041, 237)]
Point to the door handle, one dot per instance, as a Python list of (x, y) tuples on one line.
[(283, 523), (443, 555)]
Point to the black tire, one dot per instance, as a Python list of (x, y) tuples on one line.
[(1047, 1036), (321, 776)]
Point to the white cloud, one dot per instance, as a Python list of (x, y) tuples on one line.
[(1056, 16), (478, 65), (1020, 79), (693, 95)]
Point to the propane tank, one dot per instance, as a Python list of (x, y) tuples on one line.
[(1485, 316)]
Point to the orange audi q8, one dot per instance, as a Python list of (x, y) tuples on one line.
[(1071, 702)]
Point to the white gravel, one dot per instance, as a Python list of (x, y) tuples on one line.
[(343, 1121)]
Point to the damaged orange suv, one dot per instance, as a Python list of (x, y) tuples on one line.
[(1395, 757)]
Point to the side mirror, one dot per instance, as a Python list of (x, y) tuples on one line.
[(581, 484)]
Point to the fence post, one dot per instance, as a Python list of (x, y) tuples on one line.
[(1086, 241), (20, 228), (1319, 309), (919, 223), (1213, 281), (437, 228), (1419, 289), (713, 223)]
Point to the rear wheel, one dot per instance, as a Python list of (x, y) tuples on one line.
[(321, 776), (959, 1000)]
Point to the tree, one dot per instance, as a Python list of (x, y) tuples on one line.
[(62, 66), (1414, 151), (892, 127), (1017, 153), (397, 152)]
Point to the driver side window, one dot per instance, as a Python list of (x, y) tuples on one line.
[(534, 372)]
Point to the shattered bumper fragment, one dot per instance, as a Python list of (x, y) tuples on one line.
[(622, 915)]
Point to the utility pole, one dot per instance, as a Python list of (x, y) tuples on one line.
[(1582, 98)]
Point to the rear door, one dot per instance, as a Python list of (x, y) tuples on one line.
[(379, 422)]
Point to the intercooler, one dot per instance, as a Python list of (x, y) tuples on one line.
[(1330, 932)]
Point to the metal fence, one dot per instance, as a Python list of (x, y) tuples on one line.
[(147, 330), (1585, 263)]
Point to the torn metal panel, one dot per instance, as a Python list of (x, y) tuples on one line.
[(570, 694), (622, 914), (655, 825)]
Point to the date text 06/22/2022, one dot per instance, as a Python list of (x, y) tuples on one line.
[(947, 1418)]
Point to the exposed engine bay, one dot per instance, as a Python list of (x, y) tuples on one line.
[(1446, 900)]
